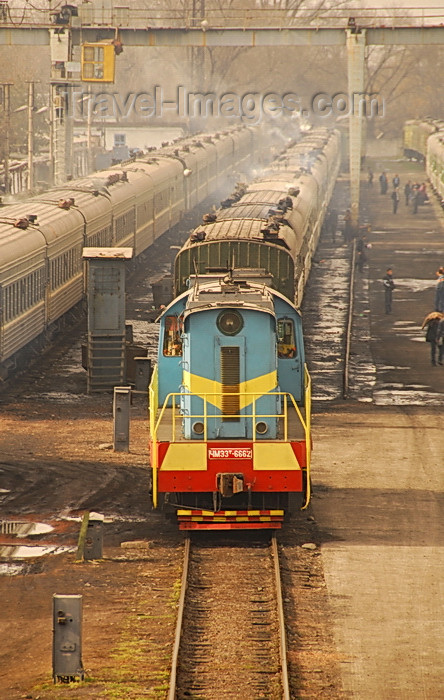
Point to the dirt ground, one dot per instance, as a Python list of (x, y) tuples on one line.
[(56, 462)]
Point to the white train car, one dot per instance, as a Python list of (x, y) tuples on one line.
[(130, 205)]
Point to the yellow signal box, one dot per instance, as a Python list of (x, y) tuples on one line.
[(98, 61)]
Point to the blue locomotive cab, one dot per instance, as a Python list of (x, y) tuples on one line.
[(170, 349), (230, 357), (230, 380), (290, 349)]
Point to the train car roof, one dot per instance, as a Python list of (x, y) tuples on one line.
[(52, 220), (241, 229), (211, 290)]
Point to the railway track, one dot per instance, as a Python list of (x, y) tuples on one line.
[(230, 632)]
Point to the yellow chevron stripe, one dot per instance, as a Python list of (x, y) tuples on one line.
[(213, 389)]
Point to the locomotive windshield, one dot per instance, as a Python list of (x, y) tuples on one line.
[(172, 341), (286, 342)]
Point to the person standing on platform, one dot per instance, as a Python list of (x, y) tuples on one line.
[(383, 182), (440, 341), (361, 253), (395, 199), (347, 226), (389, 286), (415, 199), (407, 193), (439, 294), (396, 181), (370, 177), (434, 324)]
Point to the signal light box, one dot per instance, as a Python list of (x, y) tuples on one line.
[(98, 62)]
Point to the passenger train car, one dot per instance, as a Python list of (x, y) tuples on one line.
[(435, 163), (424, 140), (130, 205), (274, 225), (230, 396), (415, 136)]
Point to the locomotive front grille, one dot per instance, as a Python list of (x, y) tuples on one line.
[(230, 376)]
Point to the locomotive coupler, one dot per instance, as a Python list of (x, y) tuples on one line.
[(228, 483)]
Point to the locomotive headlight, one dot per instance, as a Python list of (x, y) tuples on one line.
[(198, 428), (261, 427), (230, 322)]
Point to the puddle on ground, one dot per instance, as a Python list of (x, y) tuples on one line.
[(406, 396), (26, 551), (11, 568), (24, 528), (65, 397)]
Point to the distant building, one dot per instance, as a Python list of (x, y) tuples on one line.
[(138, 137)]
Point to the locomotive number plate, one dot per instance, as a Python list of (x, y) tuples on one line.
[(230, 453)]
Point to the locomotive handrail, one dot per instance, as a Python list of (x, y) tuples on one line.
[(153, 394), (307, 378), (154, 424)]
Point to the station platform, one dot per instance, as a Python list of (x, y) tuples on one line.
[(413, 246), (390, 361)]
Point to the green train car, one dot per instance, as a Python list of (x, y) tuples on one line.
[(275, 225)]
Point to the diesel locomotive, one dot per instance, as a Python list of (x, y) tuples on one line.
[(230, 426)]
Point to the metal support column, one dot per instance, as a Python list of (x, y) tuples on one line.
[(6, 103), (356, 42), (31, 107)]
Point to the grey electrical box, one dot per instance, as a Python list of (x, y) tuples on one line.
[(93, 547), (67, 638), (121, 414)]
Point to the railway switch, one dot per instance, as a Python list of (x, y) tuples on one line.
[(67, 638)]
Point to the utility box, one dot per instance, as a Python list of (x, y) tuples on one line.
[(121, 414), (93, 548), (67, 639), (142, 374)]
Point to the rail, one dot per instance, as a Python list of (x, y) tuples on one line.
[(281, 620), (179, 622), (348, 333), (179, 635)]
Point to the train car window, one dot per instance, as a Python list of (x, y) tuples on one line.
[(172, 341), (286, 341)]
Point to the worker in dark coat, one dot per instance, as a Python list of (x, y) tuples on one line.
[(383, 183), (395, 199), (348, 228), (389, 286), (439, 294), (361, 253), (434, 323)]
